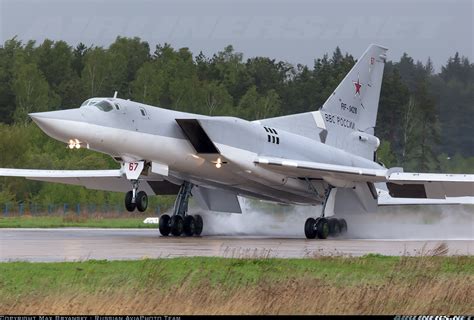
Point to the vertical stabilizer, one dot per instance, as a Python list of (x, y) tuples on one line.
[(347, 118), (350, 112), (354, 103)]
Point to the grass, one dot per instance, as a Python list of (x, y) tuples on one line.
[(73, 220), (372, 284)]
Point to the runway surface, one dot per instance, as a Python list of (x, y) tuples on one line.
[(118, 244)]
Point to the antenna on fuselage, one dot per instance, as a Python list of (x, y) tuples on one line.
[(115, 94)]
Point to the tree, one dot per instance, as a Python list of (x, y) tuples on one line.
[(453, 90), (148, 86), (227, 67), (216, 98), (8, 52), (425, 134), (248, 104), (394, 114), (55, 60), (136, 53), (254, 106), (386, 155), (297, 94), (32, 91), (266, 74), (104, 72), (78, 58), (268, 105)]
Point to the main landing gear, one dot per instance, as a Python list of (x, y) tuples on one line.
[(180, 223), (134, 199), (322, 227)]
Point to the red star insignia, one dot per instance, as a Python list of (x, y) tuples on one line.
[(357, 86)]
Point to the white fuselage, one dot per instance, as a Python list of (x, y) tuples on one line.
[(133, 132)]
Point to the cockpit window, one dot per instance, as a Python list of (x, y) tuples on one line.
[(89, 102), (104, 106)]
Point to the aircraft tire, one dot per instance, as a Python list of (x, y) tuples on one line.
[(128, 202), (199, 224), (176, 224), (309, 230), (141, 201), (189, 226), (164, 225), (343, 224), (322, 228), (334, 227)]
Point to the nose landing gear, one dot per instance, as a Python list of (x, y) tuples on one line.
[(180, 222), (134, 199)]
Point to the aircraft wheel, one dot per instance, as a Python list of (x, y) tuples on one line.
[(343, 224), (198, 225), (334, 227), (164, 225), (309, 228), (141, 201), (128, 202), (189, 226), (322, 228), (176, 224)]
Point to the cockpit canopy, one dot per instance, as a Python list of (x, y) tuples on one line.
[(101, 104)]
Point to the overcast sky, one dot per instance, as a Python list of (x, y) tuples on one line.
[(295, 31)]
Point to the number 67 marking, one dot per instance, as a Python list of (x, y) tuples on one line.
[(132, 166)]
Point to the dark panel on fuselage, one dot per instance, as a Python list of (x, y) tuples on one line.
[(406, 190), (373, 190), (164, 187), (197, 136)]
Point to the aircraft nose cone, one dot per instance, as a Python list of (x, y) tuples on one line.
[(43, 121), (37, 116), (57, 124)]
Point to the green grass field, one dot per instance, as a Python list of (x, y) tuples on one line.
[(72, 220), (371, 284)]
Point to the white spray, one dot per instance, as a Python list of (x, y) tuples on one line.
[(441, 222)]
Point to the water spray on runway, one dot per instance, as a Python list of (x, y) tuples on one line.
[(441, 222)]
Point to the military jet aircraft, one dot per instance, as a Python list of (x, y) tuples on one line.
[(323, 157)]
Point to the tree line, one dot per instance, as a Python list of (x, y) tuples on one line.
[(425, 118)]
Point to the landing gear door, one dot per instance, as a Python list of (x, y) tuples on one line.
[(133, 170)]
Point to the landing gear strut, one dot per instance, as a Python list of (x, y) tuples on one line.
[(134, 199), (323, 227), (180, 222)]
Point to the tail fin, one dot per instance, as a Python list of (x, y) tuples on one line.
[(347, 118), (355, 101), (350, 112)]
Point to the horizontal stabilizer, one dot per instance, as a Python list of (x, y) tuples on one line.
[(384, 199), (430, 185), (399, 184)]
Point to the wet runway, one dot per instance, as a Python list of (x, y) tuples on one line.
[(118, 244)]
